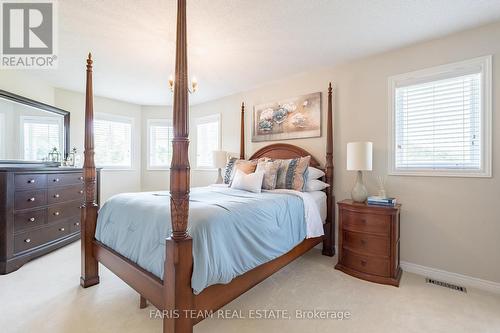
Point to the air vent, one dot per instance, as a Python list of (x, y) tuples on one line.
[(446, 285)]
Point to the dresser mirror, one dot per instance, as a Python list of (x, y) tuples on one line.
[(31, 131)]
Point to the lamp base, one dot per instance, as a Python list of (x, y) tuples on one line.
[(359, 192), (219, 177)]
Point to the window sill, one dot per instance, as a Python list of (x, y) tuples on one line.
[(206, 169), (115, 169), (157, 169)]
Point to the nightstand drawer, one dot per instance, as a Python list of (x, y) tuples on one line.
[(366, 244), (366, 264), (370, 223)]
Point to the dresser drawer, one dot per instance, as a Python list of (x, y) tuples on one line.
[(63, 179), (30, 181), (62, 194), (74, 225), (31, 219), (63, 211), (30, 199), (366, 244), (366, 264), (370, 223), (28, 240)]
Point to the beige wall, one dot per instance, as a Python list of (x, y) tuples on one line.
[(448, 223)]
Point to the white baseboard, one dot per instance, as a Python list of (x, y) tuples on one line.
[(463, 280)]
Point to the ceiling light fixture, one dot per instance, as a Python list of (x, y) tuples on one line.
[(194, 84)]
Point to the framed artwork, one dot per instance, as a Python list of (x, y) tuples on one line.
[(291, 118)]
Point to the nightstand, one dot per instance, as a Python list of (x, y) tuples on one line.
[(369, 242)]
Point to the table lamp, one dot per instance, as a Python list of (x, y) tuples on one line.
[(359, 158), (219, 160)]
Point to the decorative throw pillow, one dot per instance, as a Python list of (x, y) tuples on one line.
[(314, 173), (236, 164), (270, 169), (251, 182), (315, 185), (292, 173)]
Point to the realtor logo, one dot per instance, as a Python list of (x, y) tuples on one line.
[(28, 34)]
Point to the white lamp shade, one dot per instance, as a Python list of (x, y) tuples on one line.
[(359, 155), (219, 158)]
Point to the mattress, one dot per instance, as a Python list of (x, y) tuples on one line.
[(233, 231), (319, 198)]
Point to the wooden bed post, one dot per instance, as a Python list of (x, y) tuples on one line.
[(177, 292), (242, 135), (90, 271), (329, 241)]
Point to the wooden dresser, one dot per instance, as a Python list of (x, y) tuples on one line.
[(39, 212), (369, 242)]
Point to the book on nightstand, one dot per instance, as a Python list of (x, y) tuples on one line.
[(381, 201)]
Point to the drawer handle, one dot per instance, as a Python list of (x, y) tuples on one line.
[(77, 224), (81, 191), (56, 180), (61, 229), (31, 181), (363, 262), (31, 199), (56, 195), (56, 213), (27, 240), (32, 219), (80, 178)]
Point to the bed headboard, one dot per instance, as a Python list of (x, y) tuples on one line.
[(283, 151)]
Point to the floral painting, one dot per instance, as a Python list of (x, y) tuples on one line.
[(292, 118)]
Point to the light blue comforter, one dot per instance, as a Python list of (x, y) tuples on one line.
[(233, 231)]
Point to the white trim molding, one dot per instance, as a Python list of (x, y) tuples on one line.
[(464, 280), (481, 65)]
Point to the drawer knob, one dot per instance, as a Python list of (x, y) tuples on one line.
[(56, 180), (77, 224), (61, 229), (31, 181), (80, 178), (57, 213), (32, 219), (363, 262), (81, 191), (56, 195), (27, 240), (31, 199)]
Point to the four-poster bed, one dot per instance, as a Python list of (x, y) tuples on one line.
[(174, 293)]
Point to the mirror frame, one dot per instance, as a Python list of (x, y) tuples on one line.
[(45, 107)]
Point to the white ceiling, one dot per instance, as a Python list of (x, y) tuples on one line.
[(235, 45)]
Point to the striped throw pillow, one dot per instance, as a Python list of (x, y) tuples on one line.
[(236, 164), (292, 173)]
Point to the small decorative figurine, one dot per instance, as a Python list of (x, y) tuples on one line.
[(55, 155), (71, 160)]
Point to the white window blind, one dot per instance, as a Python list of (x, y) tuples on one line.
[(207, 140), (113, 141), (40, 135), (439, 123), (160, 138)]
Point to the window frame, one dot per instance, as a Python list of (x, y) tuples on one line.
[(484, 64), (2, 137), (62, 134), (151, 122), (204, 120), (119, 119)]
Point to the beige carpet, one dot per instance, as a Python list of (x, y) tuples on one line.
[(44, 296)]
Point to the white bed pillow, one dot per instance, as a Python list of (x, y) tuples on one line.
[(315, 185), (251, 182), (314, 173)]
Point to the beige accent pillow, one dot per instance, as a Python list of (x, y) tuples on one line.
[(270, 169), (236, 164)]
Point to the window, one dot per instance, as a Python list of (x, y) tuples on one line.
[(441, 121), (207, 139), (39, 135), (160, 135), (113, 141), (2, 136)]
